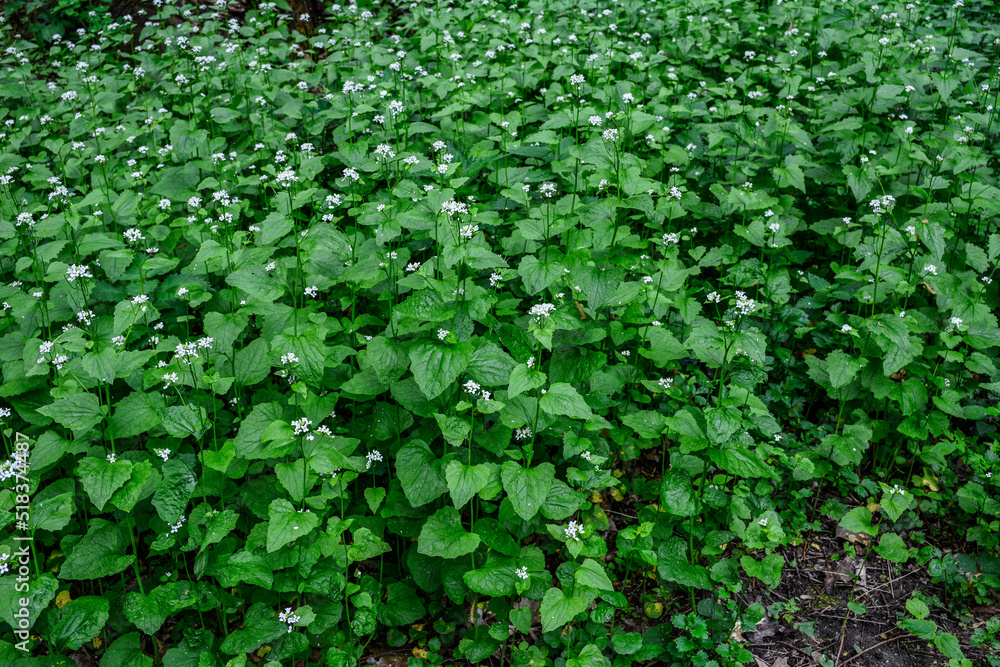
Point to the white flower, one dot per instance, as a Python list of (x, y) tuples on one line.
[(522, 572), (573, 531), (286, 177), (301, 426), (442, 334), (541, 310), (289, 618), (78, 271), (373, 456), (311, 291), (472, 387), (931, 269), (847, 328)]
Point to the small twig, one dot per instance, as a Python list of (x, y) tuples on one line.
[(855, 657), (796, 648)]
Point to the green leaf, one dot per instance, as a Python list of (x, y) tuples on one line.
[(527, 488), (273, 227), (465, 481), (561, 502), (590, 656), (260, 626), (387, 359), (490, 366), (454, 429), (895, 501), (842, 368), (767, 570), (101, 478), (287, 524), (925, 629), (374, 498), (742, 462), (592, 574), (419, 473), (52, 507), (217, 527), (563, 399), (917, 608), (80, 621), (225, 328), (310, 349), (626, 643), (521, 619), (524, 379), (859, 520), (436, 366), (891, 547), (496, 537), (948, 644), (135, 414), (663, 347), (251, 364), (243, 566), (39, 594), (174, 492), (538, 275), (78, 412), (126, 652), (149, 612), (723, 424), (673, 565), (402, 606), (366, 545), (677, 493), (848, 447), (185, 420), (135, 488), (442, 536), (646, 423), (101, 552), (294, 479), (495, 578), (257, 283), (558, 608), (857, 608)]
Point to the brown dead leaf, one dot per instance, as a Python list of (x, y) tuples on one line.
[(852, 537)]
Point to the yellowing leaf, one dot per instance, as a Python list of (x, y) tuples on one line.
[(63, 599)]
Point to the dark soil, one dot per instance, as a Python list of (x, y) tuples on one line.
[(820, 577)]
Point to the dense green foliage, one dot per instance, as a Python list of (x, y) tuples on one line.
[(489, 331)]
